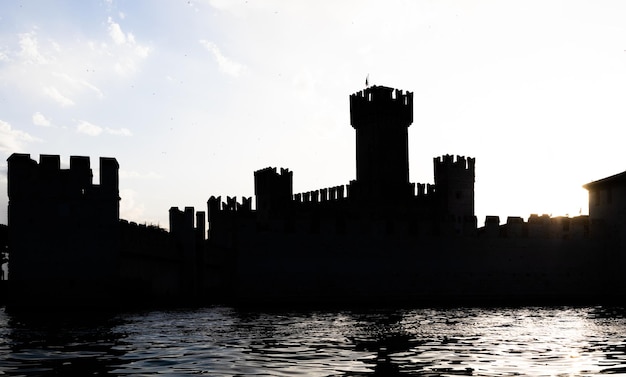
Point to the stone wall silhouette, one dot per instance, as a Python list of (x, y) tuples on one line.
[(379, 239), (68, 246)]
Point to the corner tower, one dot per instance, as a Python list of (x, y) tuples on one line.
[(381, 117)]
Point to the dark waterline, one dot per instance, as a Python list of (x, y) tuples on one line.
[(220, 341)]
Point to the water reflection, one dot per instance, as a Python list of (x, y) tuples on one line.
[(223, 341), (59, 344)]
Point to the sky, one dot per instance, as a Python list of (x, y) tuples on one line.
[(191, 97)]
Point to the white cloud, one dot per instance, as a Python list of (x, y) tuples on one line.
[(43, 65), (54, 93), (225, 64), (40, 120), (125, 66), (128, 51), (88, 128), (130, 209), (118, 132), (4, 56), (79, 84), (29, 49), (116, 33), (55, 46), (242, 7), (12, 140), (142, 51), (91, 129)]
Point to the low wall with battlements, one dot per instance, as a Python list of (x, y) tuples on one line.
[(537, 226)]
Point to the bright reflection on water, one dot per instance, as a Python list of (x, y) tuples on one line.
[(226, 342)]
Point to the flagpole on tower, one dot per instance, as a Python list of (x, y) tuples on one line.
[(367, 80)]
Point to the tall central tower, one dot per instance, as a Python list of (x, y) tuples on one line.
[(381, 117)]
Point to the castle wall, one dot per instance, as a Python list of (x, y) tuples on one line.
[(149, 266), (607, 214), (350, 260), (69, 247), (383, 238), (608, 203), (379, 239), (539, 227), (63, 228), (380, 268), (187, 229)]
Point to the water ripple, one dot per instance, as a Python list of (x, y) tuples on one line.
[(221, 341)]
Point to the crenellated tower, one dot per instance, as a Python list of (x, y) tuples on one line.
[(381, 117), (454, 185), (64, 228), (273, 192)]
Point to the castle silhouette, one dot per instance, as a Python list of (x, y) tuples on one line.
[(380, 239)]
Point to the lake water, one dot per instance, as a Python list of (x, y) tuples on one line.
[(220, 341)]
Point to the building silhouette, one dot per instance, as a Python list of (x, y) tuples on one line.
[(68, 245), (379, 239)]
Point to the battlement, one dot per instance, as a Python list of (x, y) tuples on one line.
[(132, 225), (273, 190), (183, 221), (148, 241), (47, 179), (382, 94), (423, 189), (378, 104), (272, 172), (323, 195), (448, 162), (537, 227), (448, 169), (231, 204)]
